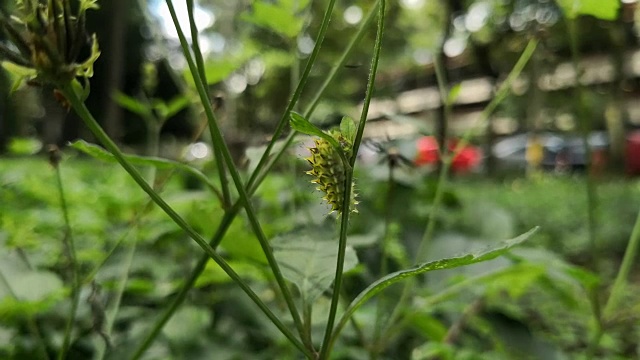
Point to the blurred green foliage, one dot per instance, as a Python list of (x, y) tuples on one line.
[(532, 302)]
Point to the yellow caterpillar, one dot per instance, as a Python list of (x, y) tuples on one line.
[(328, 171)]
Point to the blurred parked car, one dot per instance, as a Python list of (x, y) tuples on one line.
[(558, 151), (632, 153)]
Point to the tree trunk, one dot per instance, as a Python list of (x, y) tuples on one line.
[(115, 58)]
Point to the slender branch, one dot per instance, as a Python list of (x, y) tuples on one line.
[(625, 268), (470, 311), (71, 253), (258, 175), (218, 141), (99, 133), (592, 201), (217, 153), (384, 263), (585, 127), (153, 139), (284, 120), (325, 351), (111, 317)]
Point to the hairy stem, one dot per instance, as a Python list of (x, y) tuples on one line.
[(625, 268), (99, 133), (218, 141), (325, 351), (217, 153), (375, 348), (592, 200), (258, 175), (284, 120), (70, 250)]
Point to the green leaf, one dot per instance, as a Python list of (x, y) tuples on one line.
[(20, 74), (278, 18), (220, 68), (601, 9), (186, 324), (132, 104), (348, 129), (24, 146), (300, 124), (86, 68), (160, 163), (20, 71), (308, 259), (88, 4), (441, 264), (176, 105), (454, 93)]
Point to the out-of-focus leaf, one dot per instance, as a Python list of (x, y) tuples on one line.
[(160, 163), (24, 146), (308, 259), (186, 324), (602, 9), (433, 350), (25, 292), (557, 267), (174, 106), (36, 285), (430, 327), (279, 17), (300, 124), (454, 93), (20, 74), (364, 240), (348, 128), (218, 69), (132, 104), (213, 274), (441, 264)]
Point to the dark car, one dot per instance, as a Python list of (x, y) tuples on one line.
[(559, 150)]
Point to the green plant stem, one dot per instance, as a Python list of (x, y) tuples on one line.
[(258, 176), (500, 95), (384, 264), (585, 127), (111, 317), (99, 133), (592, 201), (325, 350), (444, 170), (443, 89), (426, 238), (284, 120), (73, 261), (217, 153), (625, 268), (218, 141), (307, 312)]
